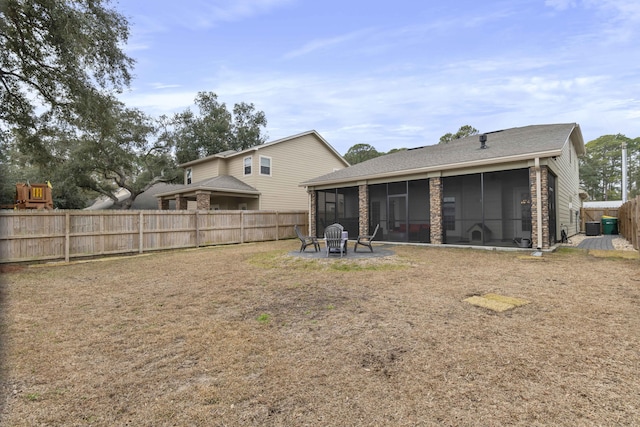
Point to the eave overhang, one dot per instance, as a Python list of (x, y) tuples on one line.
[(213, 190)]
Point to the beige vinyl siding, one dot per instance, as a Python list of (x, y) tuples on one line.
[(565, 167), (292, 162), (206, 170), (235, 167)]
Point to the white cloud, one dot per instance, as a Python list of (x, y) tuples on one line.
[(391, 96), (319, 44), (561, 4), (628, 10), (158, 103), (164, 86), (207, 14), (233, 10)]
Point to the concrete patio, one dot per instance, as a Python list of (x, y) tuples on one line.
[(379, 250)]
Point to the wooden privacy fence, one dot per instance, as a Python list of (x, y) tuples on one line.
[(57, 235), (628, 219), (595, 215)]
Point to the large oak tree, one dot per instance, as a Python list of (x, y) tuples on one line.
[(60, 60), (57, 56)]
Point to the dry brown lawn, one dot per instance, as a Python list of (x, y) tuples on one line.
[(247, 335)]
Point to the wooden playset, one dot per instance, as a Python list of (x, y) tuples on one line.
[(33, 196)]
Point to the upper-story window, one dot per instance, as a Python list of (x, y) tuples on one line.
[(247, 165), (188, 175), (265, 165)]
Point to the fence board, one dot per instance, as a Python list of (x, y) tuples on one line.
[(27, 235), (628, 219), (595, 214)]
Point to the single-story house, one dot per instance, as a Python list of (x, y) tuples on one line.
[(264, 177), (516, 186)]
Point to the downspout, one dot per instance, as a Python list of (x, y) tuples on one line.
[(539, 200), (308, 211)]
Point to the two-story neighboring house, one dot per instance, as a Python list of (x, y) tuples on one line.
[(264, 177)]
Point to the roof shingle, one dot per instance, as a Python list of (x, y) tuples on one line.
[(528, 140)]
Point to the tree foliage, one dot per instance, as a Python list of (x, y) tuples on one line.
[(117, 148), (61, 61), (121, 150), (464, 131), (61, 64), (57, 56), (215, 129), (601, 167), (17, 167), (360, 153)]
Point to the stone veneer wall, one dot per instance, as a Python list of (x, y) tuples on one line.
[(363, 207), (544, 195), (435, 199), (203, 200), (546, 241), (163, 204), (312, 213), (181, 203)]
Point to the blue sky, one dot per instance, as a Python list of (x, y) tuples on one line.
[(393, 74)]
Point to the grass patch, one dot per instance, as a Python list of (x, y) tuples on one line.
[(277, 260), (250, 335), (264, 318), (33, 397), (568, 250), (614, 254)]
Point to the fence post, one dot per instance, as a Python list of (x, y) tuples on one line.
[(141, 233), (241, 226), (102, 236), (277, 226), (197, 229), (636, 221), (67, 226)]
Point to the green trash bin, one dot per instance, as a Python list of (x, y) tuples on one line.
[(609, 225)]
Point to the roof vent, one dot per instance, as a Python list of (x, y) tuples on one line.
[(483, 140)]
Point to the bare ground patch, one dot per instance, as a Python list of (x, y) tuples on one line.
[(247, 335)]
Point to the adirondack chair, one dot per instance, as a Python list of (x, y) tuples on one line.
[(366, 240), (334, 241), (306, 240)]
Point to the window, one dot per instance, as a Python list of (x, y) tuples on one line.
[(247, 165), (188, 176), (265, 165)]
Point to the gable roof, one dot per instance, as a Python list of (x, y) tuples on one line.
[(232, 153), (515, 144), (220, 183)]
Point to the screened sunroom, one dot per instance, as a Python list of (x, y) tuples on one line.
[(487, 209), (512, 187)]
